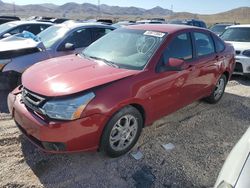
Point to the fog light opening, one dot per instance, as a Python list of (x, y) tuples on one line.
[(54, 146)]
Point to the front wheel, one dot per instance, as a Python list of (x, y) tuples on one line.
[(218, 90), (122, 132)]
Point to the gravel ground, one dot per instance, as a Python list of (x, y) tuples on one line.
[(202, 134)]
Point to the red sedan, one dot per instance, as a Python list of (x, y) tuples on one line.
[(104, 96)]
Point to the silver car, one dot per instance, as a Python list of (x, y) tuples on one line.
[(12, 28), (17, 54), (236, 170)]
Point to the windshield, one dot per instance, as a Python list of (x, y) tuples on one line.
[(51, 35), (126, 48), (218, 28), (237, 34), (6, 26)]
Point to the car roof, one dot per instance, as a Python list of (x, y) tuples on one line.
[(240, 26), (73, 25), (166, 28), (28, 22)]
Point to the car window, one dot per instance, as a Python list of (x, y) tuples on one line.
[(98, 33), (35, 29), (197, 24), (15, 30), (126, 48), (43, 27), (80, 38), (52, 35), (219, 44), (204, 44), (180, 47)]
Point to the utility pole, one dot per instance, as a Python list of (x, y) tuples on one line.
[(14, 8), (99, 9)]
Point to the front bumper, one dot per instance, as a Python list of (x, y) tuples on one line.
[(242, 65), (57, 137)]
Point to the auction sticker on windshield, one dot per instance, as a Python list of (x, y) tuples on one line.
[(154, 34)]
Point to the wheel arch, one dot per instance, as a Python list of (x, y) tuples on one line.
[(226, 73), (141, 110)]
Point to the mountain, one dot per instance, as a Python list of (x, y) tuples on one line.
[(75, 9)]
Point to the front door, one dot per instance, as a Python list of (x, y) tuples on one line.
[(168, 91)]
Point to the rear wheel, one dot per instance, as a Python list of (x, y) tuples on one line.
[(218, 90), (122, 132)]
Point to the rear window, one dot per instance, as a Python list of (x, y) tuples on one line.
[(219, 44)]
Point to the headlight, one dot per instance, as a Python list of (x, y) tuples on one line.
[(4, 62), (224, 184), (67, 109), (246, 53)]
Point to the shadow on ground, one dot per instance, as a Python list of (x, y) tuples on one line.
[(203, 135), (3, 101), (241, 79)]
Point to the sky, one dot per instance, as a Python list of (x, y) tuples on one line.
[(194, 6)]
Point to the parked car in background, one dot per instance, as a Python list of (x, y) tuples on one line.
[(239, 37), (5, 19), (103, 97), (235, 171), (123, 23), (159, 19), (17, 54), (150, 22), (219, 28), (53, 20), (59, 20), (105, 21), (12, 28), (193, 22)]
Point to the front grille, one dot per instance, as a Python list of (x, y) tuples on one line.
[(237, 52), (238, 67), (32, 101)]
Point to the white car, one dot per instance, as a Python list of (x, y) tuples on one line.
[(236, 170), (239, 37)]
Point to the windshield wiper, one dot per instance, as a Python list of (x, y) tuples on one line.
[(110, 63)]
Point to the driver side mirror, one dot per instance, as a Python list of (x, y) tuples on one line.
[(6, 35), (175, 62), (69, 47)]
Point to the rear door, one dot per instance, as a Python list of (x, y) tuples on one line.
[(203, 70)]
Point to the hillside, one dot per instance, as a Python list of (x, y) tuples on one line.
[(240, 15)]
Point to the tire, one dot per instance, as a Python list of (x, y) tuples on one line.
[(14, 81), (218, 90), (121, 132)]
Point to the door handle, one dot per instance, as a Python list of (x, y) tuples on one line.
[(189, 67), (217, 57)]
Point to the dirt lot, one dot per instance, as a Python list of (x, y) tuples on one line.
[(202, 134)]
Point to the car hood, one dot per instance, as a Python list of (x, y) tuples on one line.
[(17, 43), (240, 45), (70, 74)]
